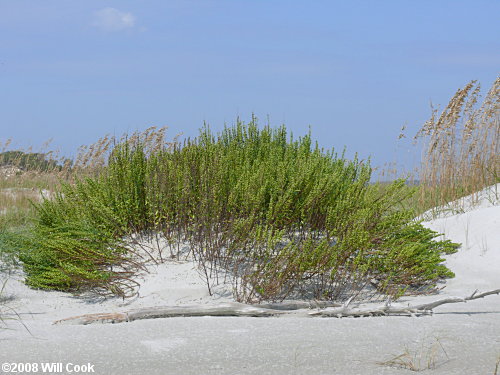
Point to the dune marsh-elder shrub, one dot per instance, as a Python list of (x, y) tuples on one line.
[(276, 216)]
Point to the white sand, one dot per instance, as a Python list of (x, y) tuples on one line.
[(470, 333), (477, 263)]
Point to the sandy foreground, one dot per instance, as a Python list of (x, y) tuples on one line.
[(461, 338)]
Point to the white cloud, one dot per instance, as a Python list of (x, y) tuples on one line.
[(111, 19)]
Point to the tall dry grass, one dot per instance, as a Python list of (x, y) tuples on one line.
[(46, 167), (461, 147), (27, 175)]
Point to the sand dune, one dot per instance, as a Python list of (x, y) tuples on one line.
[(469, 333)]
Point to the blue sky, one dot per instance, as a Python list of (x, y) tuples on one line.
[(354, 71)]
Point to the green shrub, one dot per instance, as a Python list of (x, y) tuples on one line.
[(76, 256), (283, 216)]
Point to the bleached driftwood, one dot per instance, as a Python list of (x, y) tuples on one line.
[(224, 309), (297, 305), (289, 308)]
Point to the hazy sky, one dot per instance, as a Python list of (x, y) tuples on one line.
[(355, 71)]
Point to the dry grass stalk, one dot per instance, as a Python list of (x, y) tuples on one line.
[(27, 175), (90, 159), (461, 153), (426, 357), (8, 313)]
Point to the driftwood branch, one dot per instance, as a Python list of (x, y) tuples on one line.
[(289, 308)]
